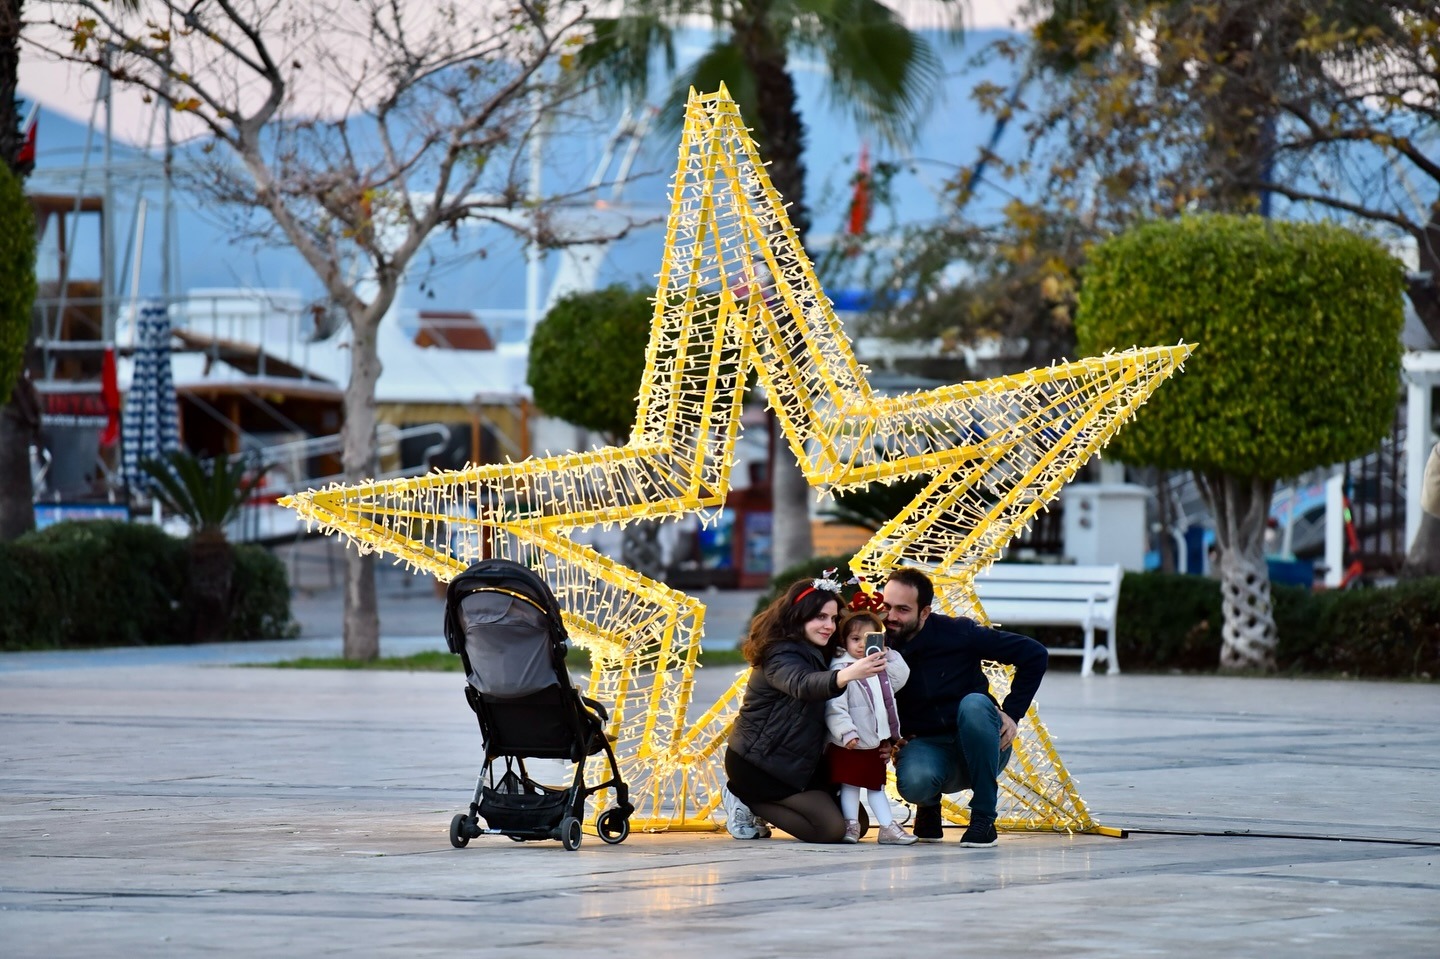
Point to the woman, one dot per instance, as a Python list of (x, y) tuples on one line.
[(775, 749)]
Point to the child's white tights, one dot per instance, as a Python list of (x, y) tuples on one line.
[(879, 804)]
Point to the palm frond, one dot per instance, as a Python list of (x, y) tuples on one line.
[(206, 494)]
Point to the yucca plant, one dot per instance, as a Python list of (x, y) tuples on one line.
[(207, 494)]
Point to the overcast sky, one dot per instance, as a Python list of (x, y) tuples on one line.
[(71, 90)]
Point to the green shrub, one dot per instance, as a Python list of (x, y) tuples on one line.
[(116, 583), (1168, 621), (261, 589), (1294, 321), (29, 598), (111, 583), (1378, 632)]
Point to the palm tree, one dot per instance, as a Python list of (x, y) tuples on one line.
[(207, 495), (884, 74)]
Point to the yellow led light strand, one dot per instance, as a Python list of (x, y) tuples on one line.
[(999, 450)]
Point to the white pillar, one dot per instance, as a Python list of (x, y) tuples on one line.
[(1422, 373), (1334, 530)]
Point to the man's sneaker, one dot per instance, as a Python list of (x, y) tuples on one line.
[(979, 834), (852, 831), (927, 823), (892, 835), (739, 820)]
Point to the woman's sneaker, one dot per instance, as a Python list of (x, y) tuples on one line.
[(852, 831), (739, 820), (892, 835)]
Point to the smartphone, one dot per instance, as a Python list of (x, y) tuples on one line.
[(874, 643)]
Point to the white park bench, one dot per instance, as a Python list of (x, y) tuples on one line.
[(1022, 594)]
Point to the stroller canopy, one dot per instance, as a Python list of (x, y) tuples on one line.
[(506, 621)]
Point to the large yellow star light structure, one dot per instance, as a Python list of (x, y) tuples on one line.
[(737, 292)]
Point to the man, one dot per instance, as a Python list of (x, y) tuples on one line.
[(956, 735)]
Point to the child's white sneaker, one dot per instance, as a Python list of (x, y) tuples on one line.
[(892, 835), (852, 831)]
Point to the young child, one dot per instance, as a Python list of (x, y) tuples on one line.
[(859, 720)]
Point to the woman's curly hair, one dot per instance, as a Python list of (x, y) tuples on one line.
[(784, 620)]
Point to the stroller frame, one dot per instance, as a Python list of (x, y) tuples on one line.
[(554, 722)]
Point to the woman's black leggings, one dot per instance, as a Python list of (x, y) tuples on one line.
[(811, 816)]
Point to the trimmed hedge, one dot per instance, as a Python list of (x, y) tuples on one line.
[(110, 583), (1298, 329), (1172, 622)]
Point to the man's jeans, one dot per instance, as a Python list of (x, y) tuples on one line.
[(970, 759)]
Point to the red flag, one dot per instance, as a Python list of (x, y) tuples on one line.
[(25, 159), (860, 198), (110, 392)]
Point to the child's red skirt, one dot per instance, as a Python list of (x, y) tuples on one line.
[(856, 767)]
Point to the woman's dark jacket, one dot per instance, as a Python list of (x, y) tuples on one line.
[(781, 725)]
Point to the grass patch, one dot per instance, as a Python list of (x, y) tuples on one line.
[(438, 662), (431, 662)]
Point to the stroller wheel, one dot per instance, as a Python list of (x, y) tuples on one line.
[(570, 833), (613, 826), (459, 831)]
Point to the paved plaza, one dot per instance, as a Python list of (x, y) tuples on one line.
[(166, 803)]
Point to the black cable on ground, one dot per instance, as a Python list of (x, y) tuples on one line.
[(1246, 834)]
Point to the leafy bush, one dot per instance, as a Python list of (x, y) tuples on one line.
[(587, 358), (115, 583), (29, 597), (109, 583), (260, 604), (1294, 321), (1374, 632), (1168, 621)]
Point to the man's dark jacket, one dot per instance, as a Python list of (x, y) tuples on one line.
[(781, 724), (944, 659)]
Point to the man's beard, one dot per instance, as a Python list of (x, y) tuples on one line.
[(901, 634)]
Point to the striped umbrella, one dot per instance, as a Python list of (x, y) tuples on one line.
[(151, 426)]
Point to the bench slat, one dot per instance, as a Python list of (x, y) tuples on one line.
[(1042, 591), (1040, 613), (1044, 573)]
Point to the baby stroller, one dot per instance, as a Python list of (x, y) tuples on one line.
[(504, 622)]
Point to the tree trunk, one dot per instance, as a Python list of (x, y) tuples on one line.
[(640, 548), (780, 135), (1423, 286), (1240, 121), (362, 615), (1424, 556), (1165, 519), (19, 422), (1240, 505), (211, 575)]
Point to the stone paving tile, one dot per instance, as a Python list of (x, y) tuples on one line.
[(183, 809)]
